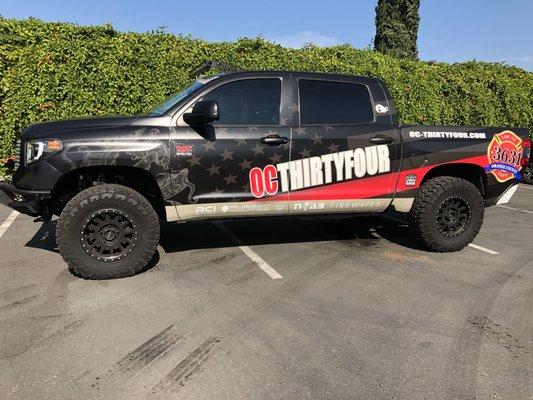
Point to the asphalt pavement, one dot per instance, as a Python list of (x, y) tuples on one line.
[(274, 309)]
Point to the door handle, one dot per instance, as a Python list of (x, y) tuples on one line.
[(274, 140), (381, 139)]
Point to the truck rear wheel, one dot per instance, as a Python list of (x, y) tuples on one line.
[(447, 214), (107, 231)]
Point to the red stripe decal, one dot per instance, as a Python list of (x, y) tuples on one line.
[(482, 161), (374, 186)]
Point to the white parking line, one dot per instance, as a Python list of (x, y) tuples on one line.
[(475, 246), (7, 222), (249, 252), (516, 209)]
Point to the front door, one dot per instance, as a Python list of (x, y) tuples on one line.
[(224, 170), (344, 151)]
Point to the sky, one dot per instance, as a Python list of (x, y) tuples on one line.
[(450, 31)]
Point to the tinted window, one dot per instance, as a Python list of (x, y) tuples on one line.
[(248, 102), (323, 102)]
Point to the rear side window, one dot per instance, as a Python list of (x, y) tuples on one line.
[(323, 102), (248, 102)]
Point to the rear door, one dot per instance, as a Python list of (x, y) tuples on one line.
[(345, 154), (226, 164)]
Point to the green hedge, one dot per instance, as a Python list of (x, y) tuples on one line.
[(59, 70)]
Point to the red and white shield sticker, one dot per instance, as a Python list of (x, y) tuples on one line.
[(504, 153)]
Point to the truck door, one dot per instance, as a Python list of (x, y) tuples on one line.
[(226, 167), (345, 155)]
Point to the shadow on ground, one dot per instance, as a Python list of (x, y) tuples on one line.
[(362, 231)]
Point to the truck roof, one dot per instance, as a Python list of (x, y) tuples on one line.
[(230, 70), (299, 74)]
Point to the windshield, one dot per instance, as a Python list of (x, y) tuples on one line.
[(169, 103)]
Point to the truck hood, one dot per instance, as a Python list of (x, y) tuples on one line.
[(58, 128)]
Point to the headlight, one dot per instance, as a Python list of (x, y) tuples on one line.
[(38, 149)]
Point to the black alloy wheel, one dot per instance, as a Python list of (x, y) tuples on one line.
[(108, 235), (453, 216)]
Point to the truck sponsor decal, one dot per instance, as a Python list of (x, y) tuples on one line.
[(504, 153), (410, 180), (381, 109), (447, 135), (316, 171), (239, 209), (184, 150)]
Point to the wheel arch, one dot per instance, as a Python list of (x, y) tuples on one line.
[(473, 173), (81, 178)]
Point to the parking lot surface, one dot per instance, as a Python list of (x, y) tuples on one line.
[(358, 311)]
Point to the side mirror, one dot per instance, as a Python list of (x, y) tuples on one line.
[(202, 113)]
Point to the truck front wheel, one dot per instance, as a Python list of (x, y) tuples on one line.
[(107, 231), (447, 214)]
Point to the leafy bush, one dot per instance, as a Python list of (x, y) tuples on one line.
[(58, 70), (397, 24)]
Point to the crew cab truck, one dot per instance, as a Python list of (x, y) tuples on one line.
[(257, 144)]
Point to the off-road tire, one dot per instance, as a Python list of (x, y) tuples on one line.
[(430, 197), (101, 199), (527, 174)]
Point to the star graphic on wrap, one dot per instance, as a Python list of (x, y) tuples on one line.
[(245, 164), (213, 170), (333, 148), (328, 128), (300, 131), (194, 161), (221, 131), (276, 158), (257, 149), (227, 155), (305, 153), (240, 141), (317, 139), (288, 145), (283, 121), (217, 192), (230, 179), (209, 145)]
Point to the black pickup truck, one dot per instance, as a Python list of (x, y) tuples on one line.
[(257, 144)]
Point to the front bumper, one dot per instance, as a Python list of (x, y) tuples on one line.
[(28, 202)]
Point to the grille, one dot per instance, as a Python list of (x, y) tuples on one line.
[(17, 156)]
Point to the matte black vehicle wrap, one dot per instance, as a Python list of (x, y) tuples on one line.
[(285, 166)]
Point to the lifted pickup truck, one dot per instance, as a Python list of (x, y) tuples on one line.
[(256, 144)]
